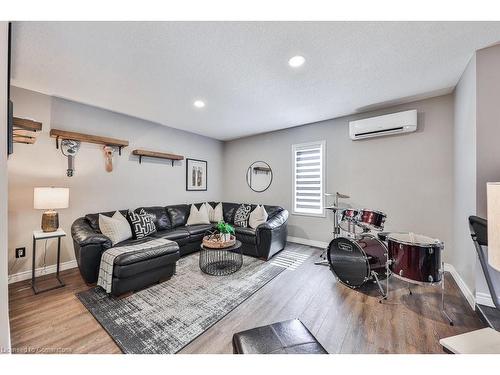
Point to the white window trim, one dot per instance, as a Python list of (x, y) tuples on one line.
[(323, 179)]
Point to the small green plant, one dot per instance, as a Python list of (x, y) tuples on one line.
[(224, 228)]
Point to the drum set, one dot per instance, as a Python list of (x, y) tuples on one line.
[(364, 253)]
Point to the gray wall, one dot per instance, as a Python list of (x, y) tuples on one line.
[(92, 189), (4, 295), (464, 257), (488, 136), (410, 177)]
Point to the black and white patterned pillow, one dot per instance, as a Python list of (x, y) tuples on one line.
[(241, 215), (142, 223)]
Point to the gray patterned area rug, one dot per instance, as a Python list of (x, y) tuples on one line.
[(166, 317)]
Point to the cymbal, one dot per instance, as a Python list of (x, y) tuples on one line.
[(335, 208), (340, 195)]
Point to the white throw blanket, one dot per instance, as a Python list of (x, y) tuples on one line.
[(108, 259)]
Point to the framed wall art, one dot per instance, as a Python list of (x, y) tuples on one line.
[(196, 175)]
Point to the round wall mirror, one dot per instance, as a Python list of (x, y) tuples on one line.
[(259, 176)]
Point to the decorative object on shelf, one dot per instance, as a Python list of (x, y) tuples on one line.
[(196, 175), (69, 148), (108, 155), (158, 155), (49, 199), (222, 237), (259, 176), (70, 142)]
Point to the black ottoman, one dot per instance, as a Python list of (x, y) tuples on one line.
[(290, 337), (137, 270)]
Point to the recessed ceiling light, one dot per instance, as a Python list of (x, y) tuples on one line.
[(199, 103), (296, 61)]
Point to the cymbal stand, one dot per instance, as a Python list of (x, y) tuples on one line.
[(336, 230)]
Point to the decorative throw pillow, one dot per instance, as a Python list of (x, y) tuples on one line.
[(241, 215), (142, 223), (116, 227), (214, 214), (198, 216), (257, 216)]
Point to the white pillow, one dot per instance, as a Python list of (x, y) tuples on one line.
[(257, 216), (198, 216), (117, 228), (214, 214)]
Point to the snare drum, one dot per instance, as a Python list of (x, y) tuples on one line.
[(415, 258), (371, 219)]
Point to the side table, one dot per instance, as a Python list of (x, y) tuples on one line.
[(41, 235)]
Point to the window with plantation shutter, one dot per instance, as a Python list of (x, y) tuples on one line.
[(308, 178)]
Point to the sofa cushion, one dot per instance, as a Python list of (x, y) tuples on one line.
[(241, 216), (198, 229), (198, 215), (116, 228), (93, 219), (258, 216), (246, 235), (142, 223), (142, 255), (179, 235), (178, 214), (229, 210), (145, 265), (159, 216)]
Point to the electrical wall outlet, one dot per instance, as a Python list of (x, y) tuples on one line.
[(20, 252)]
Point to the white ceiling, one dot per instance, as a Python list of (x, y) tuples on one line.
[(155, 70)]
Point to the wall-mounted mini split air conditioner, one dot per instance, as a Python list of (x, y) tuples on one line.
[(394, 123)]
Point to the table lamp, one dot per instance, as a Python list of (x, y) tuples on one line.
[(49, 199), (493, 194)]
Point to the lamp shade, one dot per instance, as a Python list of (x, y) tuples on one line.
[(493, 193), (46, 198)]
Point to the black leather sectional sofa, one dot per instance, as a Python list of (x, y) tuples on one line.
[(170, 221)]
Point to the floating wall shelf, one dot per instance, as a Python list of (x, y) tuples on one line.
[(27, 124), (105, 141), (262, 169), (158, 155)]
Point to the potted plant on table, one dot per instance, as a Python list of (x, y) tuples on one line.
[(225, 230), (222, 237)]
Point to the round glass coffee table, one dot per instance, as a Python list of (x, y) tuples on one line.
[(221, 262)]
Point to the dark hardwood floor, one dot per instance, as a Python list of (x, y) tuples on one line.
[(343, 320)]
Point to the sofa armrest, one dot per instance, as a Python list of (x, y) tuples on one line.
[(271, 235), (275, 222), (89, 246), (84, 235)]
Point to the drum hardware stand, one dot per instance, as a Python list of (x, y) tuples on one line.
[(336, 227)]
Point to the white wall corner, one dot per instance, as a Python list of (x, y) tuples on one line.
[(469, 296)]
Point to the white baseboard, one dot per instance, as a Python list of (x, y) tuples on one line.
[(305, 241), (484, 299), (469, 296), (26, 275)]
